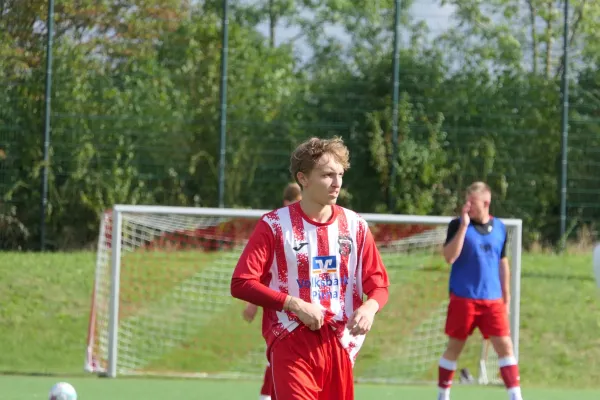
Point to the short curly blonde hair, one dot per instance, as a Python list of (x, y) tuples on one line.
[(307, 154)]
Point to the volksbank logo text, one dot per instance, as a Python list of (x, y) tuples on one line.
[(321, 283)]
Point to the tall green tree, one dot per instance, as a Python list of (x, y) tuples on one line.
[(514, 33)]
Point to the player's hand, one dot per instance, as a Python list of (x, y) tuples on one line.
[(250, 312), (309, 314), (361, 320), (464, 215)]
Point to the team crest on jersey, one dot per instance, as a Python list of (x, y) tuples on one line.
[(345, 245)]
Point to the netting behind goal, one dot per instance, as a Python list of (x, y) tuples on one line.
[(172, 270)]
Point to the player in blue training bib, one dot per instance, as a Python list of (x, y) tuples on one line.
[(475, 272), (479, 289)]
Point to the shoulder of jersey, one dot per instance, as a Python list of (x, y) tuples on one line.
[(351, 213), (271, 214)]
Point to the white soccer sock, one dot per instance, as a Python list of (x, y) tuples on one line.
[(514, 393), (447, 364), (263, 397), (444, 394), (507, 361)]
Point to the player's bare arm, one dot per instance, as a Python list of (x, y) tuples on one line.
[(505, 281), (310, 314), (362, 320), (453, 248), (249, 312)]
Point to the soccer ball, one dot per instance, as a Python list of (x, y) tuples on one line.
[(63, 391)]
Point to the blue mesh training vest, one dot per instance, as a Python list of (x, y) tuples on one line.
[(475, 273)]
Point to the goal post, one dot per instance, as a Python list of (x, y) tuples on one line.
[(161, 303)]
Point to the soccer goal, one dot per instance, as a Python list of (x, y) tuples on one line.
[(161, 303)]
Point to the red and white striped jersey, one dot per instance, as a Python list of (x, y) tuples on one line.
[(331, 264)]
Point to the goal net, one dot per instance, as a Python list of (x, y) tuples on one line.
[(161, 302)]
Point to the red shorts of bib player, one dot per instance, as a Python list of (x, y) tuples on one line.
[(465, 315), (302, 264), (479, 289)]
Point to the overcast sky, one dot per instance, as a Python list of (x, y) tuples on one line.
[(436, 17)]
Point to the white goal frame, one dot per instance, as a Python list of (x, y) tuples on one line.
[(515, 225)]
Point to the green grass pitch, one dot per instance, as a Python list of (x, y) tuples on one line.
[(26, 388), (45, 308)]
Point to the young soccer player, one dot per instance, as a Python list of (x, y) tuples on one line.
[(479, 289), (308, 265), (291, 194)]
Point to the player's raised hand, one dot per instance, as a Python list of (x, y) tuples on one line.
[(361, 320), (309, 314), (250, 312), (464, 215)]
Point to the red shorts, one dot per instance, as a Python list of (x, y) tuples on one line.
[(464, 315), (311, 365), (267, 386)]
